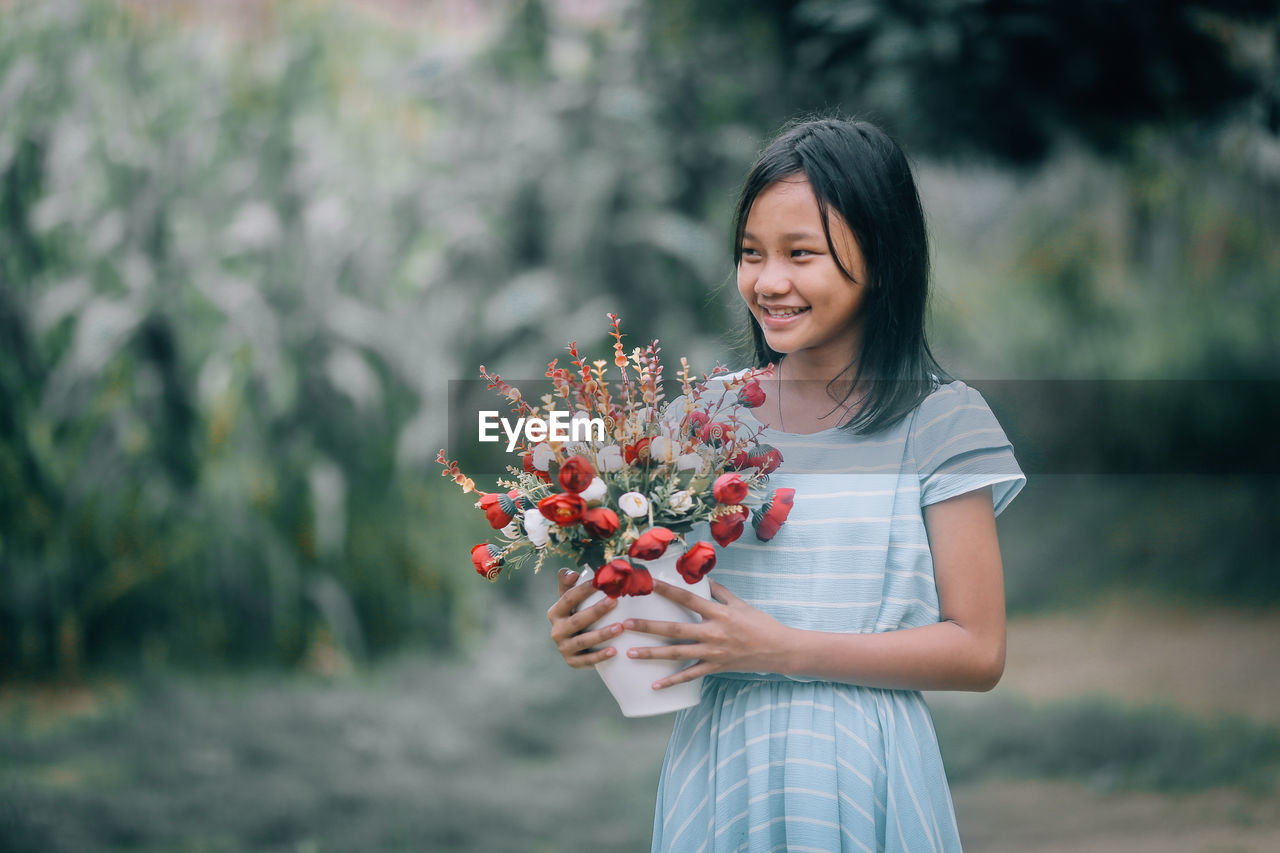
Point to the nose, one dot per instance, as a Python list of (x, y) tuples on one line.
[(772, 280)]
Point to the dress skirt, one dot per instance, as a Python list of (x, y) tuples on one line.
[(765, 763)]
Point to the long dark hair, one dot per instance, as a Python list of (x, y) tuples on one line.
[(860, 172)]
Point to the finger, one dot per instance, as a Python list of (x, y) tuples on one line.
[(569, 601), (587, 639), (567, 578), (587, 659), (674, 630), (563, 627), (721, 593), (685, 598), (676, 651), (689, 673)]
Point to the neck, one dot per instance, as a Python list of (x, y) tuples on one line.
[(805, 393), (796, 368)]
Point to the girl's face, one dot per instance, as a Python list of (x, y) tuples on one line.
[(790, 281)]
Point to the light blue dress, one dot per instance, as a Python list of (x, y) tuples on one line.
[(770, 763)]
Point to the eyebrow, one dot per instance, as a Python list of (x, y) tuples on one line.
[(790, 237)]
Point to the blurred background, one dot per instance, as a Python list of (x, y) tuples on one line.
[(245, 246)]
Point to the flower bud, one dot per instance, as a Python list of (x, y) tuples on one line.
[(536, 527), (487, 560), (652, 544), (601, 522), (727, 527), (729, 489), (594, 492), (621, 577), (751, 395), (694, 564), (564, 509), (609, 458), (770, 517), (576, 474), (634, 504)]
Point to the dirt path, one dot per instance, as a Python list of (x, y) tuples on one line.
[(1060, 817), (1209, 661)]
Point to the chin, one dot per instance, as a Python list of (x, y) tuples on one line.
[(780, 347)]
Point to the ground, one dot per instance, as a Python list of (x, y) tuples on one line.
[(1210, 661), (506, 749)]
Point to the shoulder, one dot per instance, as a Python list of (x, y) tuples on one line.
[(953, 418), (948, 401), (957, 445)]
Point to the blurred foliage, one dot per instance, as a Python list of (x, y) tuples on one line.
[(211, 262), (240, 263), (1005, 81)]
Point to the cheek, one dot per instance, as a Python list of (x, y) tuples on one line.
[(746, 284)]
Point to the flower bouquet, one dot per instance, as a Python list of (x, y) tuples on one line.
[(625, 488)]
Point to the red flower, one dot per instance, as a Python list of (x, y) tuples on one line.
[(487, 560), (728, 527), (729, 489), (652, 544), (715, 432), (770, 517), (564, 509), (639, 450), (576, 474), (600, 522), (751, 395), (694, 421), (764, 457), (499, 508), (526, 461), (621, 577), (694, 564), (739, 461)]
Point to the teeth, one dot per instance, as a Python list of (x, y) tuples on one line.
[(789, 312)]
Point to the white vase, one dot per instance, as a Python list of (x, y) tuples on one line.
[(630, 680)]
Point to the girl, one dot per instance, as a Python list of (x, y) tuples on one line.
[(811, 733)]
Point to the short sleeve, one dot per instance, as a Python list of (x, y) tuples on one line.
[(958, 446)]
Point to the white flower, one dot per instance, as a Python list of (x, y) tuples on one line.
[(542, 456), (634, 504), (690, 462), (594, 492), (661, 449), (681, 501), (609, 458), (535, 527), (512, 530)]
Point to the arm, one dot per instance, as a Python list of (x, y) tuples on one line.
[(964, 651)]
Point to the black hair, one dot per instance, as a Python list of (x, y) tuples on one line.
[(860, 172)]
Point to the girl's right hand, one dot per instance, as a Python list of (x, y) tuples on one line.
[(568, 627)]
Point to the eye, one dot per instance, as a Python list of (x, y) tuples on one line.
[(802, 253), (748, 254)]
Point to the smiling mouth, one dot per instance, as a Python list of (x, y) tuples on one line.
[(783, 313)]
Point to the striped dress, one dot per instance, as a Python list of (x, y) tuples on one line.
[(771, 763)]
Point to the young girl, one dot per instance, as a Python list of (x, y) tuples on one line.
[(811, 733)]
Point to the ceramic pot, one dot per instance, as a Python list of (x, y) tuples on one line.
[(630, 680)]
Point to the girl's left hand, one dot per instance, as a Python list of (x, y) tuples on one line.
[(733, 636)]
